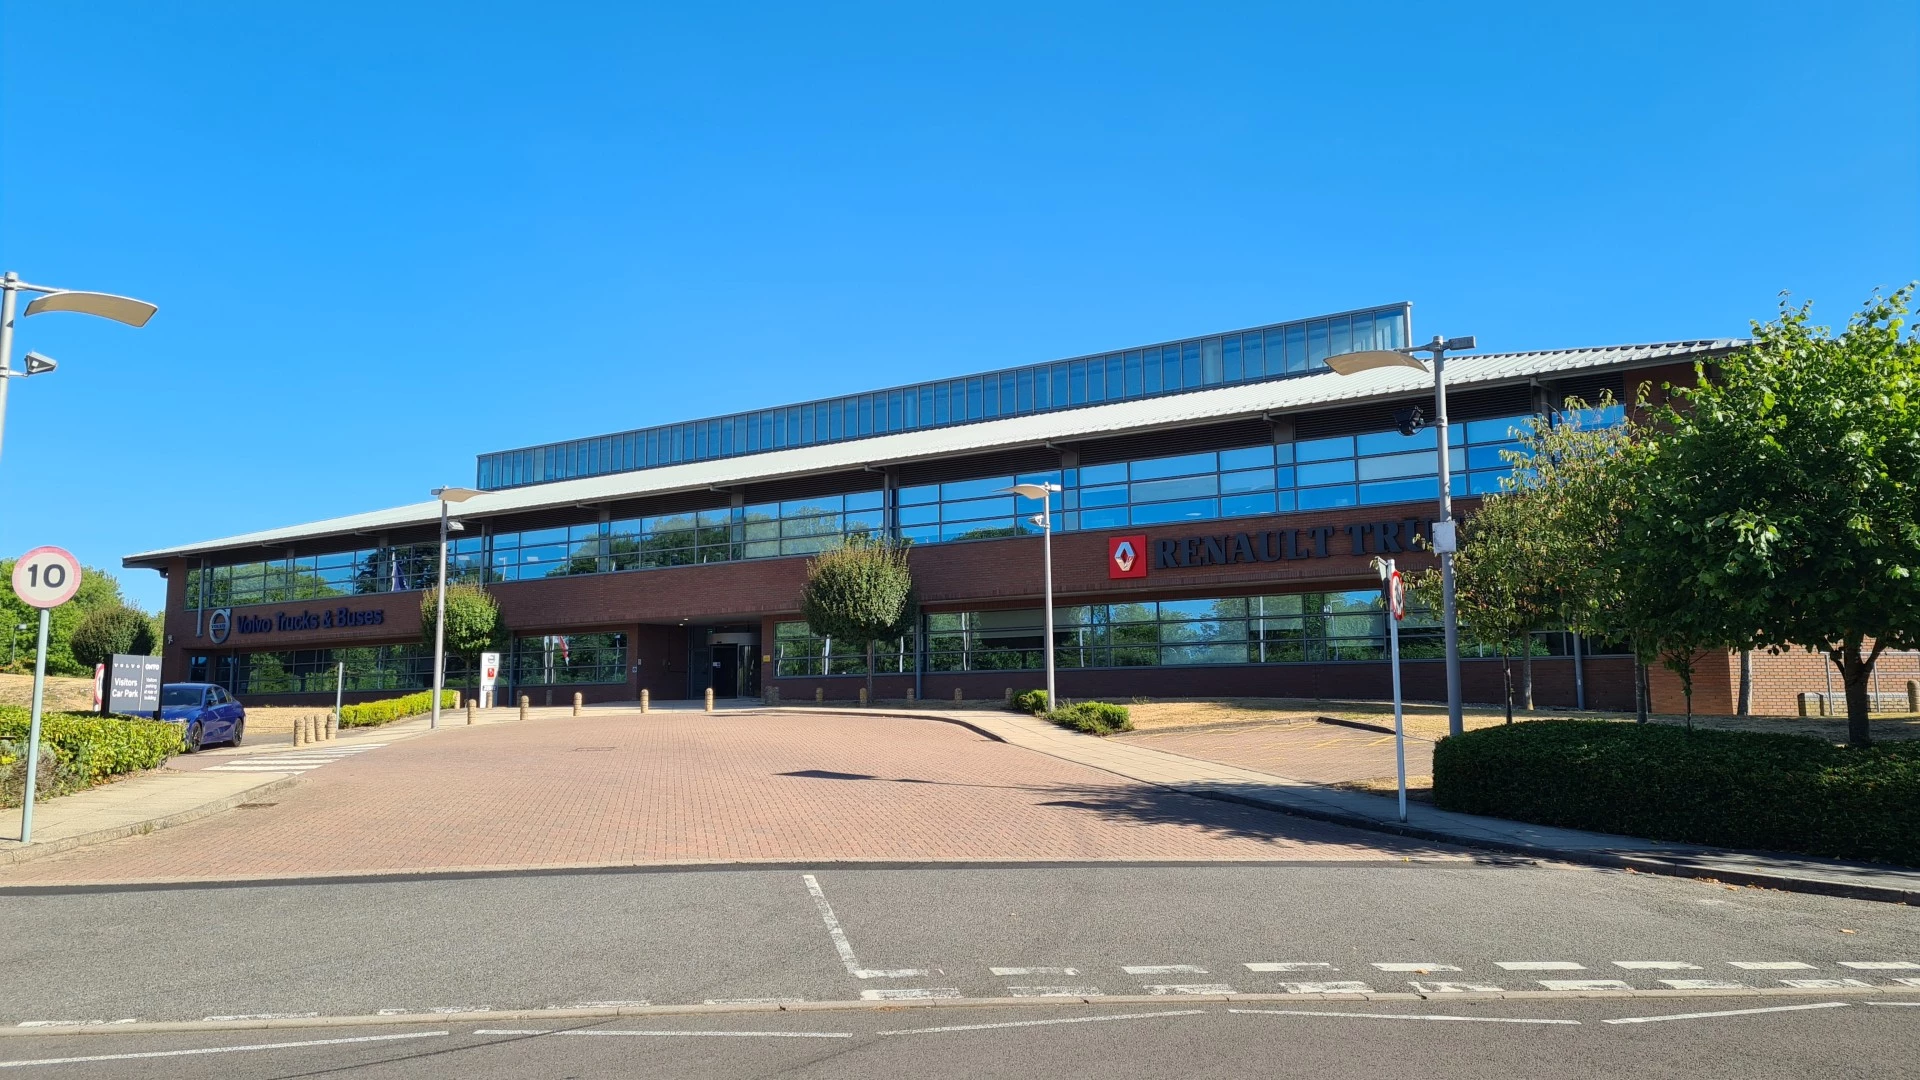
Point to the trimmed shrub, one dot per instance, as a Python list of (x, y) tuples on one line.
[(88, 748), (1726, 788), (1093, 717), (1031, 701), (105, 631), (369, 713)]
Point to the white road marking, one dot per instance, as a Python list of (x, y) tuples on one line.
[(1416, 969), (1033, 971), (197, 1051), (1297, 966), (435, 1010), (1327, 988), (1402, 1016), (909, 995), (75, 1023), (672, 1034), (1584, 984), (1729, 1012), (1656, 965), (1188, 988), (845, 948), (1908, 982), (261, 1016), (1703, 984), (1770, 965), (1539, 965), (1894, 1004), (1454, 988), (1823, 984), (1163, 969), (1047, 1023), (755, 1001), (260, 768), (1880, 965), (1054, 991), (635, 1004)]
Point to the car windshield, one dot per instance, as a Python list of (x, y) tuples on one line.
[(180, 695)]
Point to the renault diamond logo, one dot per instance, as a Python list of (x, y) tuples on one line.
[(1126, 557)]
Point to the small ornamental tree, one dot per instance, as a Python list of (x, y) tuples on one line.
[(859, 594), (1780, 496), (109, 630), (473, 619)]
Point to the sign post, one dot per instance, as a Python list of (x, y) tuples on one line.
[(1396, 610), (489, 676), (45, 578)]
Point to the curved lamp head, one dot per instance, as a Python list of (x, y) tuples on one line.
[(453, 494), (1034, 491), (1354, 363), (123, 309)]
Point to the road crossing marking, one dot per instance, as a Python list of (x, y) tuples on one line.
[(909, 995), (1033, 971), (1188, 988), (1162, 969), (1823, 984), (1880, 965), (1327, 988), (1728, 1012), (1455, 988), (1416, 969), (1770, 965), (1297, 966), (1054, 991), (1703, 984), (1656, 965), (296, 762), (1584, 984), (1539, 965), (845, 948), (1402, 1016)]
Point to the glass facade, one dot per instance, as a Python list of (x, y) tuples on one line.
[(798, 652), (567, 659), (1268, 352), (550, 660)]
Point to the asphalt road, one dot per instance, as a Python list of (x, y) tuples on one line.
[(1567, 1038), (669, 937)]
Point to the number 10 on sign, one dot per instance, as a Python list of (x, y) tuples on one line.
[(45, 578)]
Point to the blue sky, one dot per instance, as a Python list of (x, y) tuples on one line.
[(385, 238)]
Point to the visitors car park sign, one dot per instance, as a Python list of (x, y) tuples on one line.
[(133, 685)]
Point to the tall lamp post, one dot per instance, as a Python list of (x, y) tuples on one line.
[(1044, 493), (447, 496), (123, 309), (1442, 533)]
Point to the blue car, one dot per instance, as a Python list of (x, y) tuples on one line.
[(209, 714)]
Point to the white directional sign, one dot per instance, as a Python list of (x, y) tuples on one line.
[(46, 577)]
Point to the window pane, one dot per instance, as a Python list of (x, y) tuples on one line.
[(1180, 465)]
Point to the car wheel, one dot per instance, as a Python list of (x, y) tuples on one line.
[(192, 742), (239, 732)]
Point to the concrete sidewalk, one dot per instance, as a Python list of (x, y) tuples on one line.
[(1798, 873)]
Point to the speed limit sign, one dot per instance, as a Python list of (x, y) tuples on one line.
[(46, 577), (1397, 594)]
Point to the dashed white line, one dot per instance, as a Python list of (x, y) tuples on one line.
[(75, 1023), (1703, 984), (1188, 988), (670, 1034), (1454, 988), (260, 1016), (1880, 965), (436, 1010), (1163, 969), (1728, 1012), (1823, 984), (1539, 965), (202, 1050), (1327, 988), (1033, 971), (1770, 965), (1047, 1023), (845, 948), (1656, 965), (1895, 1004), (1294, 966), (756, 1001), (1584, 984), (634, 1004), (919, 994), (1908, 982), (1403, 1016), (1054, 991), (1416, 969)]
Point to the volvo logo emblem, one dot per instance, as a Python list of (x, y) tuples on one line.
[(219, 625)]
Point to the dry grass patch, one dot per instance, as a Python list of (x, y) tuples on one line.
[(64, 693)]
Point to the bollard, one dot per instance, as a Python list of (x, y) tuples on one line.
[(863, 696), (820, 694), (333, 731), (776, 695), (1913, 696), (456, 699), (525, 703), (469, 712), (1803, 702), (576, 703), (299, 731), (646, 704), (1009, 697), (956, 694), (709, 699), (910, 697)]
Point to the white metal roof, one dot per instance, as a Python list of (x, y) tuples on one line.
[(1278, 396)]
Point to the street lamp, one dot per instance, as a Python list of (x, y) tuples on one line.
[(1044, 493), (1443, 538), (105, 305), (446, 495)]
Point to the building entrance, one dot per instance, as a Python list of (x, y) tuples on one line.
[(725, 659)]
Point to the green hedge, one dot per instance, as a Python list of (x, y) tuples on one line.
[(1092, 717), (370, 713), (1031, 701), (1725, 788), (89, 748)]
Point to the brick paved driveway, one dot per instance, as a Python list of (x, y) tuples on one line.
[(625, 789), (1301, 750)]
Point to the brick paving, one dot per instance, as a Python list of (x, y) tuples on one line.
[(1300, 750), (627, 789)]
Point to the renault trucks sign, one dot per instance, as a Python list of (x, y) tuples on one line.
[(1134, 556)]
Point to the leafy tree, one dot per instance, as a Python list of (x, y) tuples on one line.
[(473, 619), (859, 593), (1781, 495), (108, 630)]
